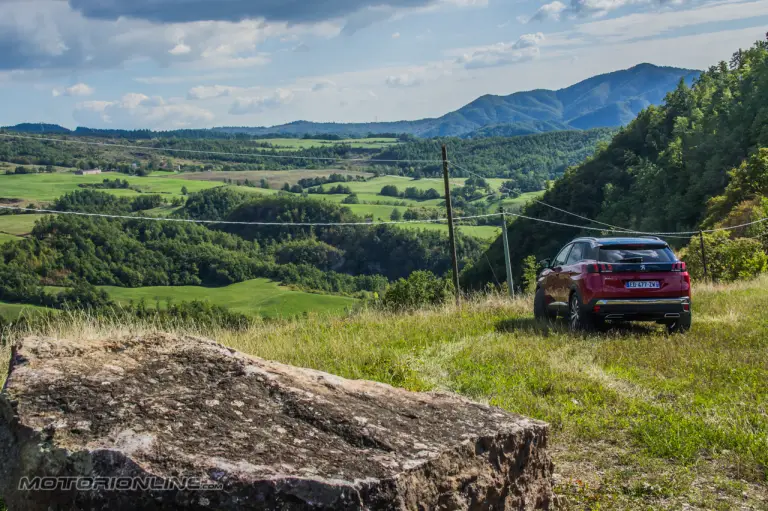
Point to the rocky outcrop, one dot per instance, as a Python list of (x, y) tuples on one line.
[(172, 415)]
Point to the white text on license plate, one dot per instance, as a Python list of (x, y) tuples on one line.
[(643, 284)]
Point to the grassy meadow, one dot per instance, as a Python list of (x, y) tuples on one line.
[(640, 420), (49, 187), (259, 297), (18, 225)]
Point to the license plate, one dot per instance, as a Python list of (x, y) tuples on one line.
[(643, 284)]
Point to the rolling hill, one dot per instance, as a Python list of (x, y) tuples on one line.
[(608, 100)]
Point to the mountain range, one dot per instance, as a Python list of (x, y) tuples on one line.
[(607, 100)]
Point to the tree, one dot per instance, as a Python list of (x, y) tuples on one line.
[(396, 216), (351, 199), (184, 190), (390, 191)]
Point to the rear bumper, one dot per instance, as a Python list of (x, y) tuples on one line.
[(641, 309)]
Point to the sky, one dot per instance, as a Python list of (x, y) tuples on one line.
[(170, 64)]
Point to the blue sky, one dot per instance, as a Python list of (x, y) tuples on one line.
[(166, 64)]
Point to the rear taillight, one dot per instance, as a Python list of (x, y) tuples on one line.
[(679, 266), (599, 268)]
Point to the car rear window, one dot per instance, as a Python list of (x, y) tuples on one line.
[(636, 254)]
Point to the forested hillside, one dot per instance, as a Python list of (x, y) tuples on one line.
[(530, 160), (662, 172)]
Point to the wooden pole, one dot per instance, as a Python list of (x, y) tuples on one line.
[(507, 256), (451, 233), (703, 254)]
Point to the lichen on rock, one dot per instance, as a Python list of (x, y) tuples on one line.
[(273, 436)]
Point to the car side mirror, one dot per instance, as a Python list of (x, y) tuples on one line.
[(543, 265)]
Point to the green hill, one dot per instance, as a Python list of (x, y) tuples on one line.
[(660, 172), (259, 297)]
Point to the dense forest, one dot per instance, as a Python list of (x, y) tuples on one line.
[(529, 160), (666, 171), (76, 252)]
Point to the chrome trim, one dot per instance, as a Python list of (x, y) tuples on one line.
[(645, 301), (675, 316), (558, 304), (615, 316)]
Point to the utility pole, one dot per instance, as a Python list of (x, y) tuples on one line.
[(507, 257), (703, 254), (451, 233)]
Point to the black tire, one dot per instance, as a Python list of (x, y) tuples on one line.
[(681, 325), (540, 310), (539, 305), (578, 319)]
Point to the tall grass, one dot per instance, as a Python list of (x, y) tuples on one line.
[(641, 419)]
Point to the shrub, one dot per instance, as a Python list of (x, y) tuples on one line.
[(727, 259), (530, 274), (420, 289)]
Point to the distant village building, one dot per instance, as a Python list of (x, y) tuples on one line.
[(89, 172)]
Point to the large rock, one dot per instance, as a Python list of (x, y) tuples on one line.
[(275, 437)]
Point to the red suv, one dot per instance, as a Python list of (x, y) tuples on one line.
[(594, 280)]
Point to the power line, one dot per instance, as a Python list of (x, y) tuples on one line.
[(614, 228), (579, 216), (218, 153), (226, 222)]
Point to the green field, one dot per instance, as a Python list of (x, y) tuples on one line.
[(18, 225), (49, 187), (38, 188), (5, 238), (515, 205), (259, 297), (12, 311)]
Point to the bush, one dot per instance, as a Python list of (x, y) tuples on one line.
[(727, 259), (422, 288), (530, 274)]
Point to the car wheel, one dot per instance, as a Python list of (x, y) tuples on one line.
[(540, 305), (579, 320), (681, 325)]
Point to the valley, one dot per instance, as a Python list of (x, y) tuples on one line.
[(175, 270)]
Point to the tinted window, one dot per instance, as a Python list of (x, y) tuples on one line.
[(577, 254), (562, 256), (636, 254)]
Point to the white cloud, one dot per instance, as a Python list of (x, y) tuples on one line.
[(136, 110), (210, 92), (180, 49), (50, 35), (403, 80), (501, 54), (640, 25), (323, 84), (549, 11), (79, 89), (396, 35), (245, 106)]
